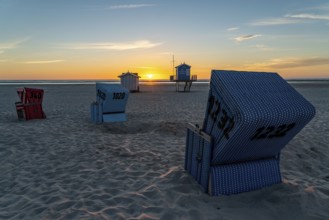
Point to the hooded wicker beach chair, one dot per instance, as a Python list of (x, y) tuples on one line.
[(110, 105), (30, 105), (250, 117)]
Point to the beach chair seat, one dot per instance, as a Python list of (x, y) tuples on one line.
[(250, 117), (30, 105), (110, 105)]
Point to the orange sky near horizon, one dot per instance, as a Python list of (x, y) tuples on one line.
[(66, 71), (96, 40)]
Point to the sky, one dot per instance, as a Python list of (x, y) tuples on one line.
[(100, 39)]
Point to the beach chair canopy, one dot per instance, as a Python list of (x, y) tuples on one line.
[(250, 117)]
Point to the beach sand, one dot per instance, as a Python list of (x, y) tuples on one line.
[(65, 167)]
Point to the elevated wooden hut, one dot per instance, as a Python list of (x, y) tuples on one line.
[(183, 75)]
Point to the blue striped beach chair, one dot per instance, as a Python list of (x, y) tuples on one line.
[(110, 105), (250, 117)]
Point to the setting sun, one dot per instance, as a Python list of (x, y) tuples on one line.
[(67, 50), (149, 76)]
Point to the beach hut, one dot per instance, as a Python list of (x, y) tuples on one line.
[(30, 105), (250, 117), (110, 105), (183, 75), (130, 81), (183, 72)]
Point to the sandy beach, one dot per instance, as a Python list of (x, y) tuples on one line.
[(65, 167)]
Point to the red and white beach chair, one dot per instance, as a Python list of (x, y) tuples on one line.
[(30, 106)]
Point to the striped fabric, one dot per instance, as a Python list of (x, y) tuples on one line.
[(250, 117), (261, 111), (243, 177)]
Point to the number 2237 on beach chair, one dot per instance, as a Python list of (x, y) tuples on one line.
[(250, 117)]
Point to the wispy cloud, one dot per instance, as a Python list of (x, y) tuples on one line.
[(246, 37), (11, 44), (312, 13), (144, 44), (275, 21), (232, 29), (263, 47), (310, 16), (43, 61), (131, 6), (286, 63)]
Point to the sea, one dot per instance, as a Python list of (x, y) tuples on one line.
[(90, 82)]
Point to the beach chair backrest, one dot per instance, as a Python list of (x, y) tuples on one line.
[(252, 115), (30, 95), (113, 97)]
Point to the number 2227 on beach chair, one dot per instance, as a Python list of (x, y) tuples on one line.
[(250, 117)]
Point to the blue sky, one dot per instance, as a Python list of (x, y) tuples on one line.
[(83, 39)]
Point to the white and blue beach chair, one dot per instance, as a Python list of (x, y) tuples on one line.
[(110, 105), (250, 117)]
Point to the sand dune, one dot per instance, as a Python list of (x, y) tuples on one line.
[(65, 167)]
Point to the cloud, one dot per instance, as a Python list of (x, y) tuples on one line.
[(43, 61), (12, 44), (232, 29), (275, 21), (310, 16), (246, 37), (312, 13), (131, 6), (3, 61), (144, 44), (286, 63), (263, 47)]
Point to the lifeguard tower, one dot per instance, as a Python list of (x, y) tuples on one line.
[(183, 76)]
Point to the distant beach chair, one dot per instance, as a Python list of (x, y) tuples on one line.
[(250, 117), (30, 106), (110, 105)]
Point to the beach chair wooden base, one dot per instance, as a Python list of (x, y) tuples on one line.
[(226, 179), (29, 111), (98, 116), (114, 117)]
